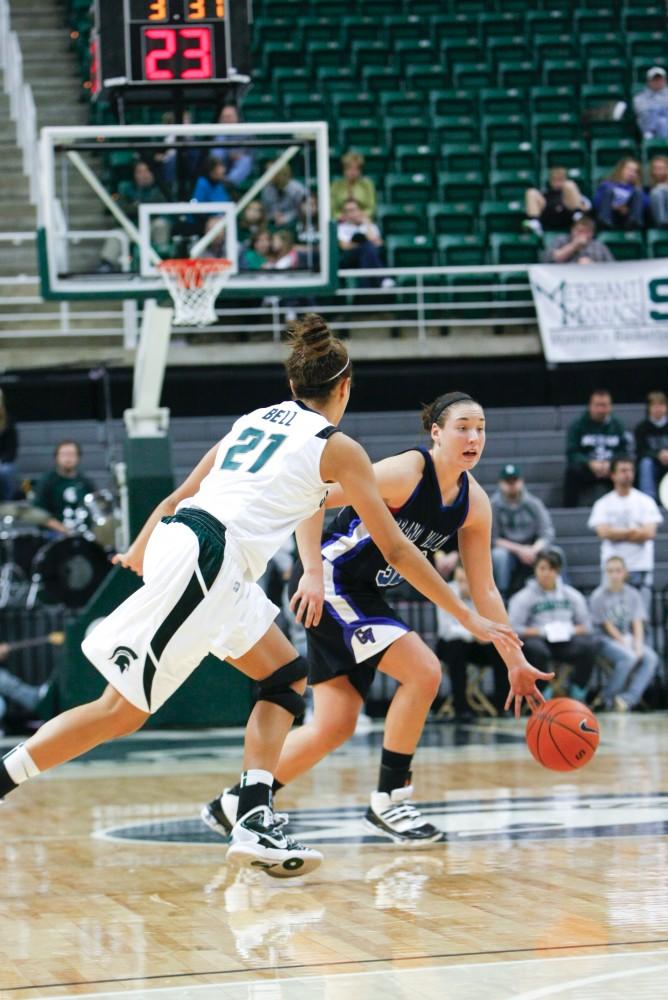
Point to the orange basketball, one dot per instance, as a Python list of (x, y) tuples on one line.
[(563, 734)]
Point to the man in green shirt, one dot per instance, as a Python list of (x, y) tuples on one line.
[(593, 440), (61, 491)]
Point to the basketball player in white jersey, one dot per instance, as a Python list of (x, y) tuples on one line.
[(201, 553)]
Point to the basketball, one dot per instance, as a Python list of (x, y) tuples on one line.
[(563, 734)]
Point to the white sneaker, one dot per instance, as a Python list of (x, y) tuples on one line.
[(221, 814), (399, 819), (258, 841)]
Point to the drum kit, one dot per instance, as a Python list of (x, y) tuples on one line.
[(39, 567)]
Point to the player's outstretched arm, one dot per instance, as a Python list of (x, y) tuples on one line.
[(475, 549), (134, 557), (346, 462)]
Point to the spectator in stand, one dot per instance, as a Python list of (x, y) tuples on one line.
[(308, 234), (213, 184), (237, 160), (521, 528), (651, 105), (9, 442), (626, 520), (456, 648), (553, 621), (657, 191), (61, 492), (142, 190), (257, 253), (618, 611), (619, 200), (360, 241), (282, 198), (284, 256), (579, 247), (593, 440), (651, 436), (556, 206), (252, 220), (352, 185)]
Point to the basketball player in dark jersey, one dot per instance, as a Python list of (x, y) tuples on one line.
[(432, 497)]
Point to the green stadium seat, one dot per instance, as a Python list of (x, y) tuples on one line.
[(451, 26), (409, 189), (501, 216), (552, 100), (502, 101), (380, 8), (654, 147), (571, 154), (562, 72), (623, 245), (459, 51), (369, 53), (456, 128), (260, 108), (462, 156), (657, 242), (555, 47), (322, 29), (411, 51), (517, 74), (452, 218), (336, 79), (514, 248), (426, 8), (640, 65), (305, 107), (504, 128), (283, 54), (496, 24), (525, 309), (593, 94), (607, 71), (452, 102), (417, 159), (401, 220), (510, 185), (600, 22), (425, 77), (625, 128), (355, 132), (508, 49), (473, 75), (513, 156), (467, 186), (404, 26), (471, 7), (363, 29), (323, 8), (457, 251), (407, 131), (547, 22), (378, 78), (608, 45), (555, 126), (292, 80), (401, 103), (410, 251), (644, 43), (605, 153), (647, 19), (275, 29), (360, 105)]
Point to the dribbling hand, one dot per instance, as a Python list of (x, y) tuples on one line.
[(522, 679), (307, 601), (129, 560)]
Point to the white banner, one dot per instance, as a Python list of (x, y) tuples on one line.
[(602, 312)]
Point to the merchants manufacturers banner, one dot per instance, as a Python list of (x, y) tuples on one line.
[(602, 312)]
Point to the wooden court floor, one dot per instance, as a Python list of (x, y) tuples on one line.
[(549, 885)]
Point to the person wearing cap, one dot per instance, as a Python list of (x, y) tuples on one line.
[(651, 105), (521, 528)]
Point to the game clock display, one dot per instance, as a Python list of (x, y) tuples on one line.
[(174, 42)]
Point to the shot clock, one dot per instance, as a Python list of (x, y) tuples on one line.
[(169, 43)]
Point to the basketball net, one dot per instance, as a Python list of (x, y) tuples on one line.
[(194, 284)]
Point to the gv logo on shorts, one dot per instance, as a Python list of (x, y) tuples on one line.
[(123, 656)]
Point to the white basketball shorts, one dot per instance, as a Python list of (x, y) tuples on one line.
[(194, 601)]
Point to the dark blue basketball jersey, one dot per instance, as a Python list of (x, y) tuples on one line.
[(423, 519)]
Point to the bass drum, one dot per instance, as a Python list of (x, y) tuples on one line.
[(70, 570)]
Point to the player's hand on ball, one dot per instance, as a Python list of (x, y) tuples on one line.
[(522, 679), (308, 599), (129, 560)]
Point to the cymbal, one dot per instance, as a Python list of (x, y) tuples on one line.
[(21, 510)]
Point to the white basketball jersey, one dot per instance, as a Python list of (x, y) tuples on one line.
[(266, 479)]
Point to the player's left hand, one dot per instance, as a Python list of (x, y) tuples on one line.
[(522, 679), (308, 599)]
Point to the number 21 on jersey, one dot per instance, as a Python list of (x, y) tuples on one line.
[(252, 438)]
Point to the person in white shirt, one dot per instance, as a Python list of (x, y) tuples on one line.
[(360, 241), (625, 520)]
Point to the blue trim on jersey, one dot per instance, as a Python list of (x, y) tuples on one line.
[(335, 535)]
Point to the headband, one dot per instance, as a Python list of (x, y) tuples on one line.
[(314, 389), (457, 397)]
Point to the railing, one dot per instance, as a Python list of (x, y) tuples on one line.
[(21, 102)]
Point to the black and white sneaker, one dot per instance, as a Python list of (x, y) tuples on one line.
[(221, 814), (258, 841), (400, 820)]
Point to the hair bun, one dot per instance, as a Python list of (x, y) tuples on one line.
[(312, 334)]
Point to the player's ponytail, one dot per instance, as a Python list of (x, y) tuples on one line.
[(437, 412), (318, 360)]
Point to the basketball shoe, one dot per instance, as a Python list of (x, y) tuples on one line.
[(258, 841), (399, 819), (221, 813)]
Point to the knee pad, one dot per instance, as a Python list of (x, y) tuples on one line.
[(276, 688)]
